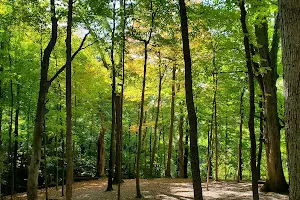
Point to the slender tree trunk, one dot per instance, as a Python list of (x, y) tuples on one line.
[(10, 140), (119, 143), (251, 100), (226, 142), (180, 145), (290, 28), (113, 106), (210, 135), (186, 154), (45, 162), (261, 137), (101, 150), (216, 130), (1, 142), (156, 123), (138, 190), (16, 145), (240, 161), (168, 170), (69, 142), (33, 172), (190, 104)]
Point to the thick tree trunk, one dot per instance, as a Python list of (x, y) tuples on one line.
[(156, 123), (290, 28), (33, 171), (69, 142), (168, 170), (190, 103), (101, 150), (251, 100), (275, 178), (240, 161)]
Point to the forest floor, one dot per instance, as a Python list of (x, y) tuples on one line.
[(162, 188)]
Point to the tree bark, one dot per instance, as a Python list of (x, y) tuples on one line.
[(101, 150), (118, 144), (216, 129), (290, 28), (251, 100), (190, 103), (186, 154), (16, 145), (156, 121), (275, 178), (33, 172), (180, 145), (261, 136), (1, 142), (168, 170), (69, 142), (240, 161), (113, 109)]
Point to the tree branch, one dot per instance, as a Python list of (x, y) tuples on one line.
[(73, 56)]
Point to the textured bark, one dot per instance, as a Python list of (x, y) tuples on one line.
[(168, 170), (156, 122), (251, 100), (190, 103), (290, 28), (113, 109), (69, 142), (240, 161), (33, 171), (275, 178), (101, 150)]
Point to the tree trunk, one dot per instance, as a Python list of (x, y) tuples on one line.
[(216, 130), (10, 148), (251, 100), (118, 145), (1, 142), (190, 103), (16, 145), (290, 28), (33, 171), (69, 142), (275, 178), (113, 109), (261, 136), (180, 145), (186, 154), (138, 190), (240, 161), (156, 123), (168, 170), (209, 148), (101, 150)]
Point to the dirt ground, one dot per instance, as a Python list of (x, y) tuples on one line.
[(166, 189)]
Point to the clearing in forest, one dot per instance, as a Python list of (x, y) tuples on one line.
[(170, 189)]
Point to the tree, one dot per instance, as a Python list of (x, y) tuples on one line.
[(251, 100), (240, 161), (290, 28), (190, 103), (168, 170)]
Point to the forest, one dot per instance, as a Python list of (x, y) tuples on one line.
[(149, 99)]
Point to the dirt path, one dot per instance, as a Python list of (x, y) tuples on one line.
[(166, 189)]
